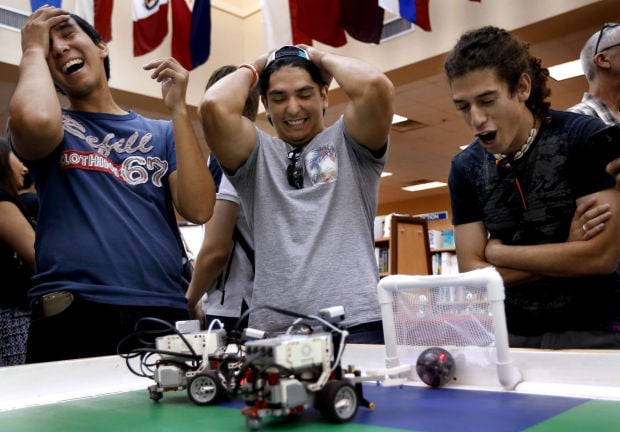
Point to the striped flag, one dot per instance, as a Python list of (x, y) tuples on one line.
[(36, 4), (415, 11), (191, 32), (150, 25), (99, 14), (280, 24)]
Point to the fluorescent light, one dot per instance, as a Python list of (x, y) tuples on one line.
[(424, 186), (386, 174), (398, 119), (566, 70), (463, 147)]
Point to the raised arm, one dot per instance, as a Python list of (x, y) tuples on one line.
[(230, 135), (191, 185), (368, 117), (35, 116)]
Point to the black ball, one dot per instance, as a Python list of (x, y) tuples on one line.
[(435, 366)]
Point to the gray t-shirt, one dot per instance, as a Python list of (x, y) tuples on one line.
[(314, 246), (240, 277)]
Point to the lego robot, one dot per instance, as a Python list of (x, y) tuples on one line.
[(189, 359), (290, 373)]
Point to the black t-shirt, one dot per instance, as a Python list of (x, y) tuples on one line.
[(564, 163), (15, 274)]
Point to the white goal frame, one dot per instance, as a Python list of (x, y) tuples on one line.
[(509, 376)]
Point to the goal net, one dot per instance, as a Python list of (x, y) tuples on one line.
[(463, 313)]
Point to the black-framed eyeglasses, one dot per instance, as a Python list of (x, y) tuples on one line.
[(600, 36), (295, 169)]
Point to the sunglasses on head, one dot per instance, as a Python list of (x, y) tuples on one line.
[(287, 51), (600, 36)]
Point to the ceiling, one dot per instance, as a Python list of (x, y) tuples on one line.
[(423, 95)]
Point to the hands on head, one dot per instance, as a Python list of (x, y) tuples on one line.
[(315, 56)]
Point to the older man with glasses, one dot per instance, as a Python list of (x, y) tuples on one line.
[(600, 60), (310, 193)]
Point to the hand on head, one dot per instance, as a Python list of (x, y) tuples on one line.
[(316, 57), (261, 61), (36, 30)]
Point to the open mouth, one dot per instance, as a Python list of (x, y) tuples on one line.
[(294, 122), (72, 66), (487, 137)]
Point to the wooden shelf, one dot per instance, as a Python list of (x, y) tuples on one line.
[(443, 250), (407, 246)]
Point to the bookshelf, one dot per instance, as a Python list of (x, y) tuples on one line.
[(435, 210), (443, 252), (406, 250)]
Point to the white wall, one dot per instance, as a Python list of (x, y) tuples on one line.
[(237, 37)]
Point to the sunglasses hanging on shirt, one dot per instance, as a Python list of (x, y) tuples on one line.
[(295, 169)]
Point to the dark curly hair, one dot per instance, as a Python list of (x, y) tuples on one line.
[(494, 48)]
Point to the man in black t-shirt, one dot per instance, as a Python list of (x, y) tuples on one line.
[(531, 197)]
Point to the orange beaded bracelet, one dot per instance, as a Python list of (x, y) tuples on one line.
[(254, 73)]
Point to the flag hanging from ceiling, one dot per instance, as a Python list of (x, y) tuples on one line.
[(362, 19), (191, 32), (291, 22), (150, 25), (280, 24), (276, 23), (99, 14), (415, 11), (320, 20), (36, 4)]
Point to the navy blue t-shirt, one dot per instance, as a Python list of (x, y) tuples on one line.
[(564, 163)]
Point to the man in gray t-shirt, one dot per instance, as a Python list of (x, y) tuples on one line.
[(310, 193)]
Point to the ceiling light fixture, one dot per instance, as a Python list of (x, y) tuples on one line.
[(424, 186), (566, 70), (386, 174), (398, 119)]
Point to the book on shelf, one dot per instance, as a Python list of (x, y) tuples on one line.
[(435, 239), (444, 263), (448, 239), (382, 254)]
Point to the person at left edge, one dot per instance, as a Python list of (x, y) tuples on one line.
[(16, 259), (108, 250)]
